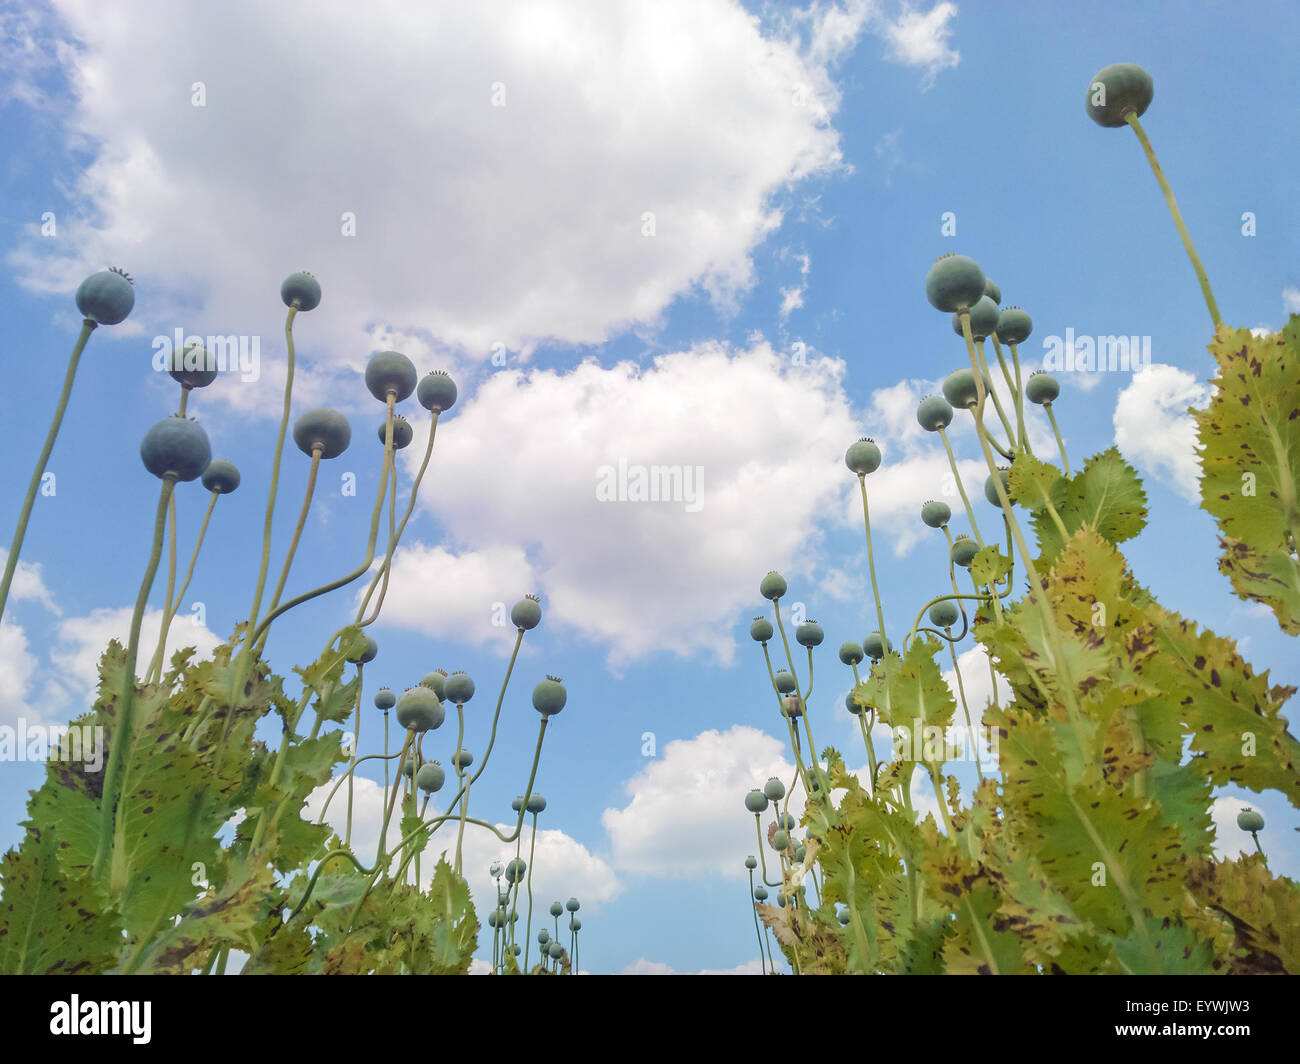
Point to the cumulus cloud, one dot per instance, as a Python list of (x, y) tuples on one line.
[(641, 966), (17, 667), (80, 641), (1291, 299), (921, 38), (28, 584), (735, 440), (564, 178), (700, 782), (1153, 428)]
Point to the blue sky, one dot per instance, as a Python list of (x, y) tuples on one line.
[(694, 234)]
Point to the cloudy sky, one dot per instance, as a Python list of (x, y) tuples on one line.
[(690, 235)]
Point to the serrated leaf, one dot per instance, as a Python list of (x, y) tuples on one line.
[(1106, 495), (1250, 464), (989, 565)]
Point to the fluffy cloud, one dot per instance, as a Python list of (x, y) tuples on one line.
[(685, 815), (80, 641), (28, 584), (1291, 299), (1153, 428), (919, 38), (17, 667), (515, 173), (748, 440), (641, 966)]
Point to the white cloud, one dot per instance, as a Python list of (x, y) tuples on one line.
[(475, 223), (1291, 299), (641, 966), (1230, 842), (17, 667), (921, 38), (28, 584), (686, 815), (442, 594), (80, 641), (758, 436), (1153, 429)]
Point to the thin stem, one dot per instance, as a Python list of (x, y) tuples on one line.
[(528, 926), (1188, 246), (297, 530), (126, 697), (1020, 402), (24, 515), (158, 654), (189, 575), (1065, 461), (961, 488)]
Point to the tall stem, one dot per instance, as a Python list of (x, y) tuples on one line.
[(1188, 246), (11, 561), (1065, 461), (961, 488), (189, 575)]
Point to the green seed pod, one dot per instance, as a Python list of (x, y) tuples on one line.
[(555, 950), (324, 428), (983, 319), (575, 925), (755, 801), (874, 646), (436, 391), (784, 681), (1249, 820), (518, 803), (193, 369), (543, 937), (492, 918), (390, 373), (790, 706), (851, 653), (934, 412), (772, 586), (936, 514), (301, 290), (851, 705), (992, 290), (431, 777), (990, 486), (549, 696), (773, 789), (419, 710), (106, 298), (494, 870), (557, 909), (785, 821), (221, 476), (954, 283), (458, 687), (526, 613), (809, 634), (1014, 326), (176, 448), (760, 893), (535, 804), (1041, 388), (944, 614), (780, 841), (462, 759), (780, 898), (573, 905), (408, 768), (760, 631), (800, 853), (1117, 90), (751, 862), (368, 653), (402, 432), (863, 457), (385, 699), (436, 682), (964, 550), (515, 870), (960, 390)]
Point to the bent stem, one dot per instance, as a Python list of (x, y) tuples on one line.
[(157, 659), (997, 405), (1065, 461), (20, 533), (123, 724), (1188, 246), (528, 926), (961, 488), (297, 530), (180, 595)]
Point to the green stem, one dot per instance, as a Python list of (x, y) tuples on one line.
[(189, 575), (961, 488), (126, 697), (1065, 461), (1006, 452), (297, 529), (157, 659), (24, 515), (1188, 246), (528, 926), (1020, 402)]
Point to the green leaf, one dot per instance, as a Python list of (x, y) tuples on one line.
[(1250, 465), (1106, 495), (455, 930), (989, 566)]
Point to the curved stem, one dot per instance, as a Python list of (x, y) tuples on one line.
[(528, 925), (961, 690), (997, 405), (1065, 461), (1188, 246), (492, 738), (24, 515), (1020, 402), (189, 575), (126, 696), (961, 488), (297, 530)]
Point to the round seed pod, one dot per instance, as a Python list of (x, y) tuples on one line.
[(960, 390), (368, 652), (992, 290), (556, 909), (990, 486), (1249, 820), (851, 653), (419, 710), (936, 514), (755, 801), (964, 550), (863, 457), (954, 283), (402, 432), (944, 614), (773, 789), (300, 290), (515, 869), (459, 688), (573, 905), (535, 804), (436, 682), (760, 893), (549, 696), (809, 634), (934, 412), (221, 476), (176, 448), (751, 863), (390, 373), (1117, 90), (983, 319), (874, 646), (1014, 326), (194, 368), (322, 428), (526, 613), (462, 759), (385, 699), (780, 841), (784, 681), (436, 391), (106, 298), (772, 586), (430, 778), (1041, 388), (760, 631), (790, 706), (851, 705)]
